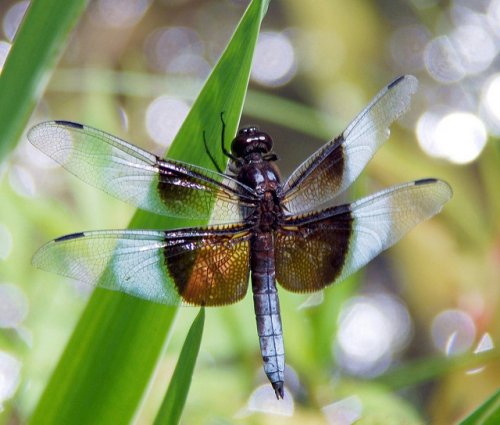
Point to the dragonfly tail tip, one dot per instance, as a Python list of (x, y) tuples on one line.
[(279, 389)]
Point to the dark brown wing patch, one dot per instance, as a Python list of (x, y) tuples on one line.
[(186, 190), (312, 254), (320, 176), (330, 170), (314, 250), (210, 269), (165, 187)]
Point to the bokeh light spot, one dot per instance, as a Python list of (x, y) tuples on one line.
[(371, 330), (263, 400), (177, 50), (10, 369), (453, 331), (442, 61), (474, 47), (118, 14), (13, 306), (13, 18), (407, 46), (458, 137), (343, 412), (164, 117), (485, 344), (124, 120), (22, 182), (274, 59), (490, 103), (4, 52), (493, 16), (313, 300)]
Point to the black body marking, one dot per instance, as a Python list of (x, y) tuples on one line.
[(70, 236), (425, 181), (69, 124), (395, 82)]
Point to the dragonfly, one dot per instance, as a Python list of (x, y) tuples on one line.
[(262, 230)]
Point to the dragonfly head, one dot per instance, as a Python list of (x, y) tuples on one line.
[(249, 140)]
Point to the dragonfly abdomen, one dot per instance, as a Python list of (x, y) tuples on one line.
[(267, 310)]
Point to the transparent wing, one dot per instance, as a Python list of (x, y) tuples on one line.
[(131, 174), (190, 266), (315, 250), (331, 169)]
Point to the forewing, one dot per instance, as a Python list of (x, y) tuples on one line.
[(316, 250), (190, 266), (331, 169), (129, 173)]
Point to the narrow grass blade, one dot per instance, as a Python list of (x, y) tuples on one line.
[(486, 414), (427, 369), (108, 362), (175, 398), (36, 47)]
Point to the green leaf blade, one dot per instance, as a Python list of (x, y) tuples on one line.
[(36, 47), (486, 414), (175, 398), (111, 356)]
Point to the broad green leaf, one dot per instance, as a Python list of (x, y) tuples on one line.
[(36, 47), (108, 362), (486, 414), (175, 398)]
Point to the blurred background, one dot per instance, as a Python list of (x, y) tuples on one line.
[(379, 342)]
